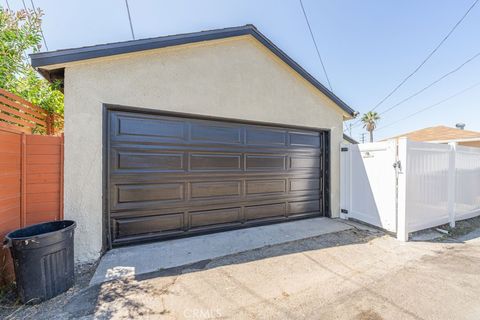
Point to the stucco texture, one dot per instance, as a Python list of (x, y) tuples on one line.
[(233, 78)]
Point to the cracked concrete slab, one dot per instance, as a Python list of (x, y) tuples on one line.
[(133, 261)]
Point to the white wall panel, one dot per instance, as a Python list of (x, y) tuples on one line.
[(467, 195), (427, 184)]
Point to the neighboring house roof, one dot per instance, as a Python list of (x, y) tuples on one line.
[(349, 139), (51, 64), (441, 134)]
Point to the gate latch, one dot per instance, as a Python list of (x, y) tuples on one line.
[(397, 165)]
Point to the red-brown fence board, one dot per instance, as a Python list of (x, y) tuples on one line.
[(10, 193), (31, 184), (43, 153)]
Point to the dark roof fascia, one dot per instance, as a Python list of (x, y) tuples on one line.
[(349, 139), (104, 50), (43, 59)]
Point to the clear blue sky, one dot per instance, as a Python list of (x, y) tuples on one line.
[(368, 46)]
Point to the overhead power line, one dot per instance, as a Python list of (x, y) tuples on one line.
[(316, 46), (431, 106), (130, 19), (424, 60), (431, 84), (25, 55), (41, 29), (428, 86), (8, 5), (427, 58)]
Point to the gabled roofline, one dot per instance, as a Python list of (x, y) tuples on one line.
[(44, 59)]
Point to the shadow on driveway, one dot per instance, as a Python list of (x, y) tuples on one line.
[(99, 299)]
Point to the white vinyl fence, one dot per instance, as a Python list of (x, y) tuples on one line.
[(405, 186)]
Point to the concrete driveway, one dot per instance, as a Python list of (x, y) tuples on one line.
[(351, 274)]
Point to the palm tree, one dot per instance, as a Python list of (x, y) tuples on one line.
[(369, 120)]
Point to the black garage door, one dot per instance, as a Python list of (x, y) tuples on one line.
[(173, 176)]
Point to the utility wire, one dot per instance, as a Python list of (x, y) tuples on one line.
[(130, 19), (41, 29), (25, 55), (431, 84), (427, 58), (316, 46), (428, 86), (8, 5), (431, 106)]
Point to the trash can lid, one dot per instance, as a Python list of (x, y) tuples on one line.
[(41, 230)]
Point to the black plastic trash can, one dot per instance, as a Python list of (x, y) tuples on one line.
[(43, 259)]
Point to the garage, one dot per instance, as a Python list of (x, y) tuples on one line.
[(175, 176), (194, 133)]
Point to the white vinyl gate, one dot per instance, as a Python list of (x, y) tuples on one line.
[(368, 183), (404, 186)]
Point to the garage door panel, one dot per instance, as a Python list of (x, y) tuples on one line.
[(151, 192), (304, 162), (148, 128), (215, 189), (165, 207), (266, 137), (130, 127), (147, 176), (173, 176), (298, 207), (148, 147), (202, 219), (216, 133), (145, 225), (170, 161), (141, 193), (305, 139), (215, 162), (266, 186), (160, 162), (149, 224), (264, 162), (265, 211), (304, 184)]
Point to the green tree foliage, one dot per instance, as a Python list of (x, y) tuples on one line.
[(20, 33)]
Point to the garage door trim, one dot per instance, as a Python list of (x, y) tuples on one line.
[(107, 108)]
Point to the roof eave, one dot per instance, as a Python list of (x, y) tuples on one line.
[(349, 139)]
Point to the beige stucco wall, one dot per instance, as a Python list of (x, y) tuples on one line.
[(236, 78)]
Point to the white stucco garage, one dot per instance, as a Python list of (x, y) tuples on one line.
[(234, 76)]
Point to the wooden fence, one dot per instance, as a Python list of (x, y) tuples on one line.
[(18, 114), (31, 182)]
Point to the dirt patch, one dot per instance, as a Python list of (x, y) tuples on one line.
[(462, 228), (369, 315), (11, 308)]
